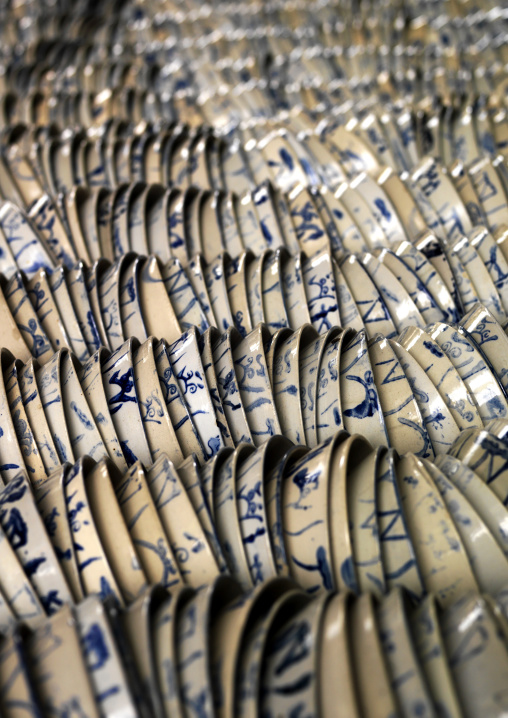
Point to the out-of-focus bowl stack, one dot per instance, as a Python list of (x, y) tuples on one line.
[(253, 358)]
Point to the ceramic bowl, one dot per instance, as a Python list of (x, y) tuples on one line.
[(94, 570), (46, 665), (113, 531)]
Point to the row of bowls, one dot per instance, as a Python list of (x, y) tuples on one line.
[(300, 46), (341, 516), (39, 161), (83, 309), (273, 651), (226, 93), (206, 391)]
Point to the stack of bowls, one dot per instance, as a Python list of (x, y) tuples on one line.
[(204, 392), (273, 651), (342, 516)]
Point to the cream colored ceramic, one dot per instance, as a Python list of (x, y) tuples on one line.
[(430, 278), (192, 659), (355, 203), (481, 383), (237, 292), (32, 403), (132, 321), (188, 368), (26, 319), (480, 680), (254, 385), (255, 645), (120, 390), (361, 476), (309, 228), (22, 239), (83, 432), (439, 550), (403, 419), (441, 426), (430, 648), (482, 282), (209, 241), (423, 299), (328, 400), (345, 456), (188, 537), (319, 283), (108, 285), (375, 695), (32, 544), (95, 572), (362, 410), (229, 391), (145, 528), (31, 455), (277, 696), (92, 279), (337, 685), (91, 382), (113, 531), (250, 229), (251, 507), (490, 339), (405, 671), (226, 516), (189, 473), (164, 651), (490, 192), (351, 238), (188, 438), (206, 352), (444, 376), (104, 660), (467, 192), (73, 204), (294, 290), (49, 382), (397, 301), (22, 600), (441, 194), (76, 285), (187, 306), (274, 308), (53, 647), (52, 506), (137, 223), (235, 621), (215, 278), (304, 496), (254, 275), (381, 207), (466, 295), (162, 323), (66, 311), (12, 337), (485, 454), (15, 683), (157, 424), (372, 309), (485, 555), (140, 623), (494, 260), (309, 359), (397, 552), (349, 313)]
